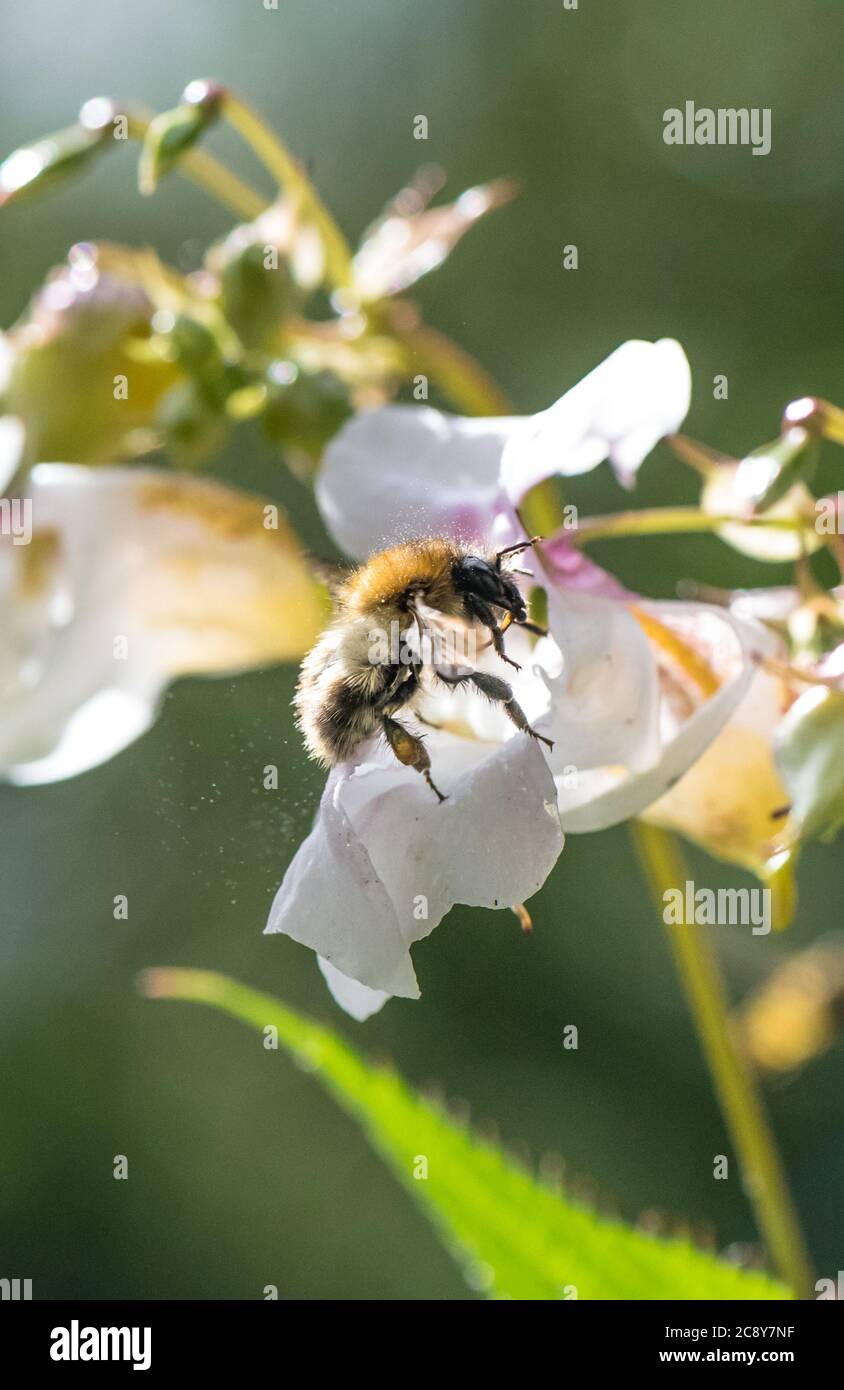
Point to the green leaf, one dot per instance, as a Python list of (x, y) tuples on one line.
[(514, 1237), (809, 752)]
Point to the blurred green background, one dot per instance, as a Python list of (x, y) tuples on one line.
[(242, 1172)]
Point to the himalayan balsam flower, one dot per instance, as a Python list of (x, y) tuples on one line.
[(114, 581), (772, 778), (384, 861)]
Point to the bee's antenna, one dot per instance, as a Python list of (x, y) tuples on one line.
[(516, 550)]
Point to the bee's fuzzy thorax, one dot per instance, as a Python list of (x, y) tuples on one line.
[(383, 584)]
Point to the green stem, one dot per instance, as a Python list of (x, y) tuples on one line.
[(292, 178), (455, 371), (735, 1084), (206, 171), (222, 184), (655, 521)]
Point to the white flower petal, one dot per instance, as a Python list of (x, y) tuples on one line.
[(333, 900), (385, 861), (132, 577), (11, 448), (12, 431), (406, 471), (88, 734), (462, 710), (731, 799), (590, 806), (640, 393), (604, 700), (359, 1001)]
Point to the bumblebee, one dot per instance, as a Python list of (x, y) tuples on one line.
[(345, 697)]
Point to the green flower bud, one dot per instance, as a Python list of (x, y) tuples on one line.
[(257, 292), (192, 422), (83, 394), (303, 412), (34, 169), (265, 270), (772, 470), (172, 133), (191, 344)]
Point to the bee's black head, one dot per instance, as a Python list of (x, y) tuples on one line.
[(477, 578)]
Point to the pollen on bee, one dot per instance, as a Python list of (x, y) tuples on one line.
[(405, 748)]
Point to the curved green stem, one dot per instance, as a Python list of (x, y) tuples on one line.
[(655, 521), (455, 371), (734, 1081), (291, 177), (206, 171)]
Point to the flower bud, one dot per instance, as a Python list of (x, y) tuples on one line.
[(192, 422), (257, 292), (172, 133), (771, 481), (74, 381), (820, 418), (34, 169), (766, 475), (190, 343), (264, 270), (303, 411)]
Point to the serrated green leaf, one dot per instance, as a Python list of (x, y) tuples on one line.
[(514, 1237)]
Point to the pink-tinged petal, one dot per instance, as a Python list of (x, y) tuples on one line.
[(386, 861), (357, 1000), (572, 569), (406, 471), (587, 804), (640, 393)]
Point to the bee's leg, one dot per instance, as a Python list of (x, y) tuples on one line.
[(497, 635), (409, 750), (463, 679), (400, 688), (527, 626), (502, 694), (484, 614)]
